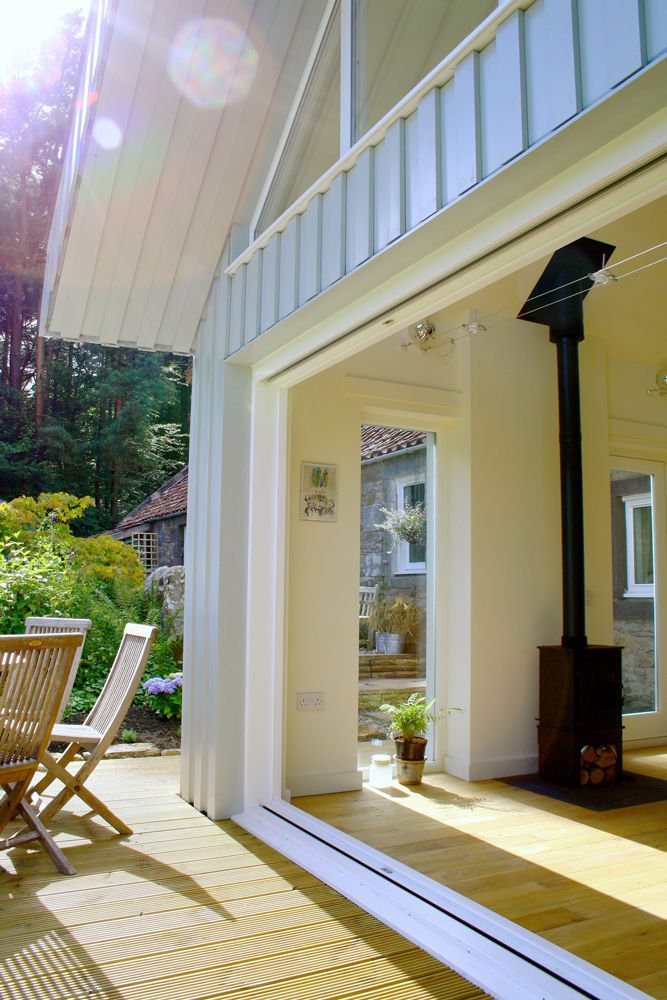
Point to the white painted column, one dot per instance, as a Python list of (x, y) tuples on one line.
[(266, 603), (214, 655)]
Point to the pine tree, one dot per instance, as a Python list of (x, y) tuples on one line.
[(77, 418)]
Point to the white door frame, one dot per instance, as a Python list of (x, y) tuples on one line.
[(650, 727)]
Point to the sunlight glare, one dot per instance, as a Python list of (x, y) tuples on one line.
[(213, 62), (25, 24)]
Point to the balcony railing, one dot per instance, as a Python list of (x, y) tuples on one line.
[(519, 77)]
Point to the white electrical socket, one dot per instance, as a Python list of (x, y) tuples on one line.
[(310, 701)]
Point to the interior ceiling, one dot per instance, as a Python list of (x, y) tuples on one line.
[(629, 315)]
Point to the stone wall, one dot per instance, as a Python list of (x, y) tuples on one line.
[(170, 539), (376, 561), (637, 636)]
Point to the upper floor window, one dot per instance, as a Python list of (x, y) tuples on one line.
[(312, 144), (410, 556), (639, 545), (395, 44)]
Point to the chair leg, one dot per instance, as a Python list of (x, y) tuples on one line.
[(46, 840), (13, 795), (68, 754), (74, 786)]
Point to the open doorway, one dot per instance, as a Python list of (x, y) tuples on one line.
[(394, 621)]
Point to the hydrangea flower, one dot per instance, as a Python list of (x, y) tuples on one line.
[(165, 694)]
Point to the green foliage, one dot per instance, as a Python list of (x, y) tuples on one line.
[(129, 736), (105, 559), (45, 570), (34, 580), (410, 718), (110, 607)]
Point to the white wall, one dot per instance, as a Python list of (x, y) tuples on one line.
[(499, 586), (323, 573), (515, 542)]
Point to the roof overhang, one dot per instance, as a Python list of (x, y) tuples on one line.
[(165, 171)]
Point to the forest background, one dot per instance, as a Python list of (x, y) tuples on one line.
[(86, 432), (82, 419)]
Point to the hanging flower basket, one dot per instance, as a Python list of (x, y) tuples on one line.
[(405, 525)]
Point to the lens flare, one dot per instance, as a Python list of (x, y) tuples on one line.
[(213, 62), (88, 102), (107, 134)]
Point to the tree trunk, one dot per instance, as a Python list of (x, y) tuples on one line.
[(15, 320)]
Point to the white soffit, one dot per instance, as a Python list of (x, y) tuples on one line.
[(150, 214)]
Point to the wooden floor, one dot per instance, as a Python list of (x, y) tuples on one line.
[(594, 883), (189, 909)]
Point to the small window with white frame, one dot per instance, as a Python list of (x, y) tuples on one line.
[(639, 545), (410, 557)]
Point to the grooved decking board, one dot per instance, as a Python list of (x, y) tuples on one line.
[(187, 909), (594, 883)]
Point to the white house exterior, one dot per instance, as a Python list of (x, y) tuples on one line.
[(195, 223)]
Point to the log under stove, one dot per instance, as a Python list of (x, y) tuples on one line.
[(580, 687)]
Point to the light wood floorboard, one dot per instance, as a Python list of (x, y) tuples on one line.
[(594, 883), (189, 909)]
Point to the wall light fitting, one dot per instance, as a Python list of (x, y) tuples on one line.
[(661, 383)]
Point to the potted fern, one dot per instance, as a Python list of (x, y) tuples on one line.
[(408, 723)]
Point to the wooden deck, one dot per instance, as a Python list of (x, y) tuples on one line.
[(189, 909), (594, 883)]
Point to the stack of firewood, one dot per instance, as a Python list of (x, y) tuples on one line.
[(598, 764)]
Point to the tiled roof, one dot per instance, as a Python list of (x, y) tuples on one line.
[(376, 441), (169, 500), (172, 498)]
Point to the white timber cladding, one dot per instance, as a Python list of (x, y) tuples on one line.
[(213, 728), (543, 67)]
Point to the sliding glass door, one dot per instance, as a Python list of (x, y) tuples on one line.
[(638, 552)]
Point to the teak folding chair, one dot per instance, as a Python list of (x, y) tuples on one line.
[(34, 670), (92, 738), (38, 626)]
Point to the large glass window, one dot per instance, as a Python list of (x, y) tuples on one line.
[(313, 143), (634, 588), (395, 44)]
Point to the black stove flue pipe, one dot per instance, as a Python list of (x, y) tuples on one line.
[(557, 302)]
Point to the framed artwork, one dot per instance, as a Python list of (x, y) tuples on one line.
[(319, 492)]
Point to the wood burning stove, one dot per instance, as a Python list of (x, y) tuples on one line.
[(581, 692)]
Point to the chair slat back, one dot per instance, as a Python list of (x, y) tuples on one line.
[(33, 672), (366, 597), (35, 625), (123, 678)]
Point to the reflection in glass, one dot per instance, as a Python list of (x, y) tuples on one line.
[(634, 594), (396, 44)]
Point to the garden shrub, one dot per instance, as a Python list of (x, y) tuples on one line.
[(45, 570)]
